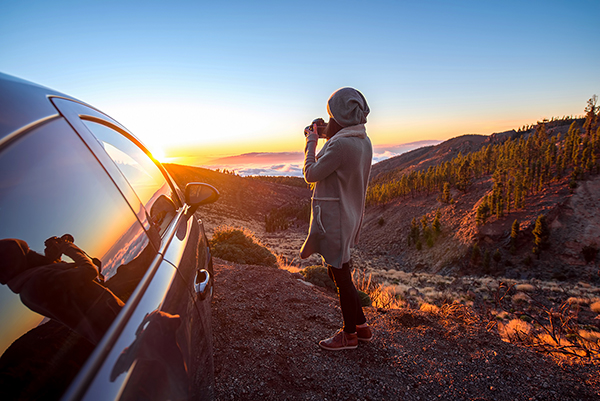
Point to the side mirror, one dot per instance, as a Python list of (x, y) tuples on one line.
[(198, 193)]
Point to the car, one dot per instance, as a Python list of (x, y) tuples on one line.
[(105, 268)]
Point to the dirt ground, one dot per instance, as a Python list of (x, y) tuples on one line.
[(267, 324)]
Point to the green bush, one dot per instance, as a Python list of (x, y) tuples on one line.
[(318, 276), (365, 299), (240, 246)]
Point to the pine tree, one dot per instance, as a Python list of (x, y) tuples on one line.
[(424, 221), (514, 234), (500, 207), (541, 234), (437, 226), (591, 116), (509, 190), (428, 237), (414, 231), (483, 212), (446, 197)]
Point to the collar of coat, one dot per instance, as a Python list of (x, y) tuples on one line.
[(352, 131)]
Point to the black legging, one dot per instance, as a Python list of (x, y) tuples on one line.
[(349, 301)]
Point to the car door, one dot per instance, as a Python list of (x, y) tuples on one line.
[(67, 236), (183, 367)]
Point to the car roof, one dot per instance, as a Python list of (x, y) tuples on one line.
[(23, 102)]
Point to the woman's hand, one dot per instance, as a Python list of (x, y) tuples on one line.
[(310, 132)]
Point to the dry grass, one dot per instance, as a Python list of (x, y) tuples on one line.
[(552, 331), (461, 312), (382, 295), (283, 264), (429, 308), (577, 301), (520, 297), (525, 287), (514, 329)]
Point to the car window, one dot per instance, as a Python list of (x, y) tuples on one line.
[(71, 252), (140, 171)]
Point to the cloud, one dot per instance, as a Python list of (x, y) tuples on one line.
[(294, 170), (290, 163)]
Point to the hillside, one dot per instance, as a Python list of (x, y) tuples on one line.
[(243, 200), (422, 158), (571, 208)]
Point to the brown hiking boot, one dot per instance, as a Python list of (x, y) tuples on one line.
[(364, 333), (341, 340)]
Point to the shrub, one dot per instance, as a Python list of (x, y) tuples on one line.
[(318, 276), (553, 331), (429, 308), (577, 301), (589, 253), (365, 299), (525, 288), (380, 295), (520, 297), (381, 221), (240, 246)]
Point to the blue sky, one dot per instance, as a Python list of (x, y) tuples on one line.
[(203, 80)]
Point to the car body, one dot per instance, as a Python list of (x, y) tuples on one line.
[(106, 271)]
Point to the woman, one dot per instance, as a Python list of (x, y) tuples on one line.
[(340, 172)]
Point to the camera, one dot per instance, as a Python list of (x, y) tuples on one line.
[(53, 249), (321, 125)]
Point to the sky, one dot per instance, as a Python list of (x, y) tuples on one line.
[(202, 81)]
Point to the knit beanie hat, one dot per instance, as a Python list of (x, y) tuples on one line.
[(348, 107)]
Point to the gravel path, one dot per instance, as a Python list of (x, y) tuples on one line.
[(267, 325)]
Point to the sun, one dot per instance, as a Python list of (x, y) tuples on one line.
[(159, 155)]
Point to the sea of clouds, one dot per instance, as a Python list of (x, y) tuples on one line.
[(290, 163)]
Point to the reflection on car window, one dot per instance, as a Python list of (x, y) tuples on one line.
[(140, 171), (71, 253)]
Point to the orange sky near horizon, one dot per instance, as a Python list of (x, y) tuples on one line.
[(382, 137)]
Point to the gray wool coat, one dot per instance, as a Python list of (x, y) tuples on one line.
[(341, 173)]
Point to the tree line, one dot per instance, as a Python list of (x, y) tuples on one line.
[(519, 166)]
